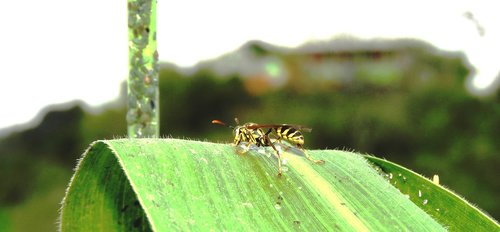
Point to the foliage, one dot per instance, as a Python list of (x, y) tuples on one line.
[(177, 185), (188, 103), (432, 127), (442, 204)]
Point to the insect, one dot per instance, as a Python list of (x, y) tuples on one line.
[(253, 133)]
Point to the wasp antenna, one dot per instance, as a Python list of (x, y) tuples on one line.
[(215, 121)]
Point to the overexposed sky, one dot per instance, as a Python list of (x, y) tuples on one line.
[(55, 51)]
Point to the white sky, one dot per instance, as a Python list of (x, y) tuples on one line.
[(55, 51)]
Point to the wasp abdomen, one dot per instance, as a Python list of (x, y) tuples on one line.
[(291, 134)]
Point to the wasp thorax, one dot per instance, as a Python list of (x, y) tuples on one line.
[(250, 124)]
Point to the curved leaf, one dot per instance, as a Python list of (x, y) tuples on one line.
[(171, 184), (442, 204)]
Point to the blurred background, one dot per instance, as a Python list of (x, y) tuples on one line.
[(416, 84)]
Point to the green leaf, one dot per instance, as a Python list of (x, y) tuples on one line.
[(171, 184), (4, 220), (449, 209)]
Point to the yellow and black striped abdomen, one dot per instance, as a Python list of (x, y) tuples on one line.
[(290, 134)]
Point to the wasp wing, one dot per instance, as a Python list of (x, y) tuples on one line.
[(298, 127)]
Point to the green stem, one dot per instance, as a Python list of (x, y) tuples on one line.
[(143, 94)]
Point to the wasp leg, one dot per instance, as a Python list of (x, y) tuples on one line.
[(241, 150), (249, 144), (266, 141), (308, 156), (238, 139), (279, 156), (276, 137)]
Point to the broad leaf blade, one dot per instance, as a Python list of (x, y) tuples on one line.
[(452, 211), (168, 185)]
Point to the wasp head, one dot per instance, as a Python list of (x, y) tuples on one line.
[(238, 130)]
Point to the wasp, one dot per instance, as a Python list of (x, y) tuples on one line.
[(253, 133)]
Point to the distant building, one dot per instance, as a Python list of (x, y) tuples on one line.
[(341, 64)]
